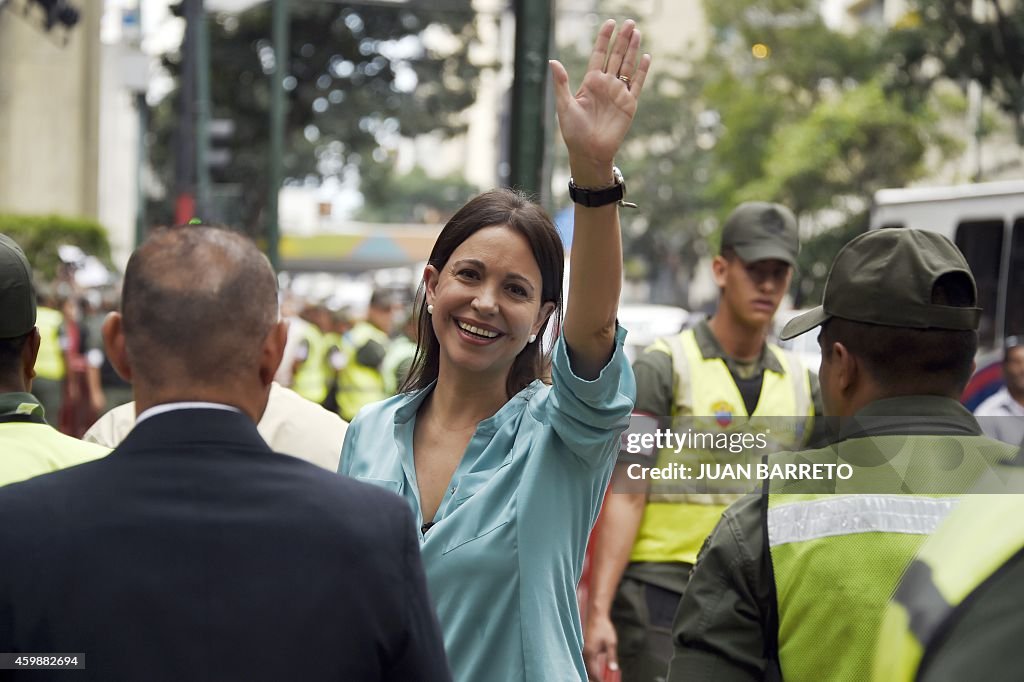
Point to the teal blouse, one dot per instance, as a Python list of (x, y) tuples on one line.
[(505, 551)]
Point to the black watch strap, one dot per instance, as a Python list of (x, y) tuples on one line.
[(592, 198)]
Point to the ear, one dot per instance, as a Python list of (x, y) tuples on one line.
[(116, 345), (272, 352), (719, 265), (847, 371), (29, 353), (543, 315), (430, 278)]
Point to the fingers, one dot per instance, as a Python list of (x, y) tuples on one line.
[(640, 75), (600, 53), (560, 85), (629, 61), (620, 47)]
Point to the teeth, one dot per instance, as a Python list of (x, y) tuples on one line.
[(476, 330)]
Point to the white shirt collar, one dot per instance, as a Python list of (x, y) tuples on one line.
[(171, 407)]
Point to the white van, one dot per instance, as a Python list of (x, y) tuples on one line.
[(986, 221)]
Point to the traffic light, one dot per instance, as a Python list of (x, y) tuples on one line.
[(220, 132), (58, 12)]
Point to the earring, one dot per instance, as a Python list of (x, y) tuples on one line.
[(430, 309), (533, 337)]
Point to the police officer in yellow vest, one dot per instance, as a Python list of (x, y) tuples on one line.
[(51, 370), (957, 614), (28, 445), (312, 373), (793, 583), (360, 381), (725, 372)]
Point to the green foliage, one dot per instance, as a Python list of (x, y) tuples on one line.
[(412, 197), (985, 46), (816, 256), (362, 76), (39, 236)]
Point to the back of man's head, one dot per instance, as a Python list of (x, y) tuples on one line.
[(197, 304), (905, 303), (17, 311)]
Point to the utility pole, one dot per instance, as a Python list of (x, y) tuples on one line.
[(202, 61), (279, 36), (529, 87), (185, 133)]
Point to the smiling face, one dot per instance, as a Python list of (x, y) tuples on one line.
[(753, 291), (487, 302)]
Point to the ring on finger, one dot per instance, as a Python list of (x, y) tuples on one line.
[(624, 79)]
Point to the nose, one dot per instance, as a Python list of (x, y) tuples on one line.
[(485, 302)]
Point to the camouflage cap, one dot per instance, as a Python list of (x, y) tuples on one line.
[(886, 277), (758, 230), (17, 297)]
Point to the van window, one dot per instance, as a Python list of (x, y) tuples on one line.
[(981, 242), (1015, 287)]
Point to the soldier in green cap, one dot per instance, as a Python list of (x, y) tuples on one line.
[(29, 446), (725, 372), (793, 582)]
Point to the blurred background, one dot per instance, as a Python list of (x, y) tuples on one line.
[(341, 135)]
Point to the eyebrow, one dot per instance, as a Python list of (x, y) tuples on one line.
[(479, 264)]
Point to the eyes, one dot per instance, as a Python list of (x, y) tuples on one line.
[(471, 275)]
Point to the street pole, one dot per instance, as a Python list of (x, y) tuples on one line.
[(202, 62), (184, 143), (142, 109), (529, 85), (279, 37)]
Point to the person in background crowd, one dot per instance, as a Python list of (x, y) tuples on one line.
[(722, 375), (291, 425), (107, 390), (194, 550), (1003, 412), (360, 379), (28, 445), (51, 371), (398, 360), (504, 472), (792, 583), (310, 376)]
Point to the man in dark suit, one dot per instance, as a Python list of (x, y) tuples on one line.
[(193, 551)]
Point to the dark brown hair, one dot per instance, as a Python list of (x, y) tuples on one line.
[(514, 210)]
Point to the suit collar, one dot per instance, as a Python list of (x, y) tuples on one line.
[(184, 427)]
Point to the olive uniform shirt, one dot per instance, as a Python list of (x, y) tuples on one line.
[(654, 396), (727, 624)]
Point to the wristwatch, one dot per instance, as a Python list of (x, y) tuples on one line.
[(592, 198)]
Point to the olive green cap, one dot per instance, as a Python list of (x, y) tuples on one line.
[(17, 297), (758, 230), (885, 277)]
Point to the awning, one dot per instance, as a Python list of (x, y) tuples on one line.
[(363, 247)]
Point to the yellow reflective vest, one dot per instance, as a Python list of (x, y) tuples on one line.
[(50, 361), (358, 384), (310, 380), (838, 557), (977, 539), (675, 524)]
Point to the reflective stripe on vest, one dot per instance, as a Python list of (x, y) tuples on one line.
[(848, 514), (675, 525), (976, 540)]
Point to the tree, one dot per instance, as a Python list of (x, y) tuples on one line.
[(359, 76)]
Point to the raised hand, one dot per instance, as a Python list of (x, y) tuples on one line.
[(595, 120)]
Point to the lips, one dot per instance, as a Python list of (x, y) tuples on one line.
[(477, 332)]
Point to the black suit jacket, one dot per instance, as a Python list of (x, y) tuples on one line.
[(194, 552)]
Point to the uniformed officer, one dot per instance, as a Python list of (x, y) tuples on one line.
[(957, 612), (29, 446), (725, 370), (795, 581), (360, 381)]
